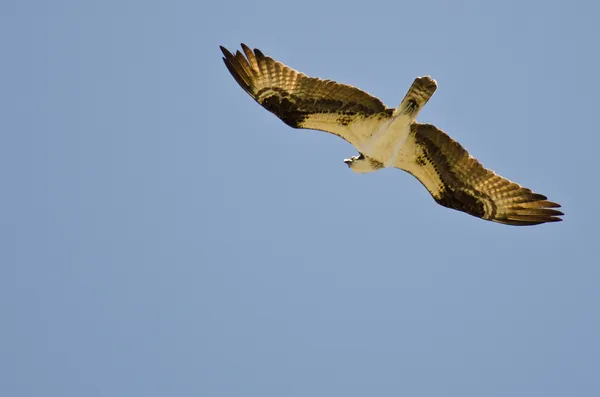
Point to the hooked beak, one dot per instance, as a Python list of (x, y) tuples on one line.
[(348, 161)]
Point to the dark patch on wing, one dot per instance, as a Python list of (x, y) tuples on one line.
[(344, 119), (461, 201), (314, 105), (455, 194), (293, 109), (284, 109)]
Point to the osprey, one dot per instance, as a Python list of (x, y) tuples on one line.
[(386, 137)]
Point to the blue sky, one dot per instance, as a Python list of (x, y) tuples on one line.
[(164, 235)]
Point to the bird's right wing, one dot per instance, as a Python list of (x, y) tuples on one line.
[(306, 102), (457, 180)]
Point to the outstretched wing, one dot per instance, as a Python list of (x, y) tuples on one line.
[(457, 180), (306, 102)]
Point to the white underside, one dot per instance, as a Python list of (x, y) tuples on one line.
[(386, 142)]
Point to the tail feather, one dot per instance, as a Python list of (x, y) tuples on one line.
[(417, 96)]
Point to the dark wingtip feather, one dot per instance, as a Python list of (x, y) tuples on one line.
[(538, 197), (528, 221), (237, 71), (531, 216), (225, 52), (532, 209)]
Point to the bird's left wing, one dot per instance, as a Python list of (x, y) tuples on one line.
[(306, 102), (457, 180)]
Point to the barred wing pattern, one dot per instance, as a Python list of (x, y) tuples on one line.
[(457, 180), (306, 102)]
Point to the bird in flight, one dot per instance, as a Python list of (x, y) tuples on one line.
[(386, 137)]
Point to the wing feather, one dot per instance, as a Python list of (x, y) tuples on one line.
[(457, 180), (306, 102)]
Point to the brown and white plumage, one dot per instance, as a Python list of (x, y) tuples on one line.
[(388, 137)]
